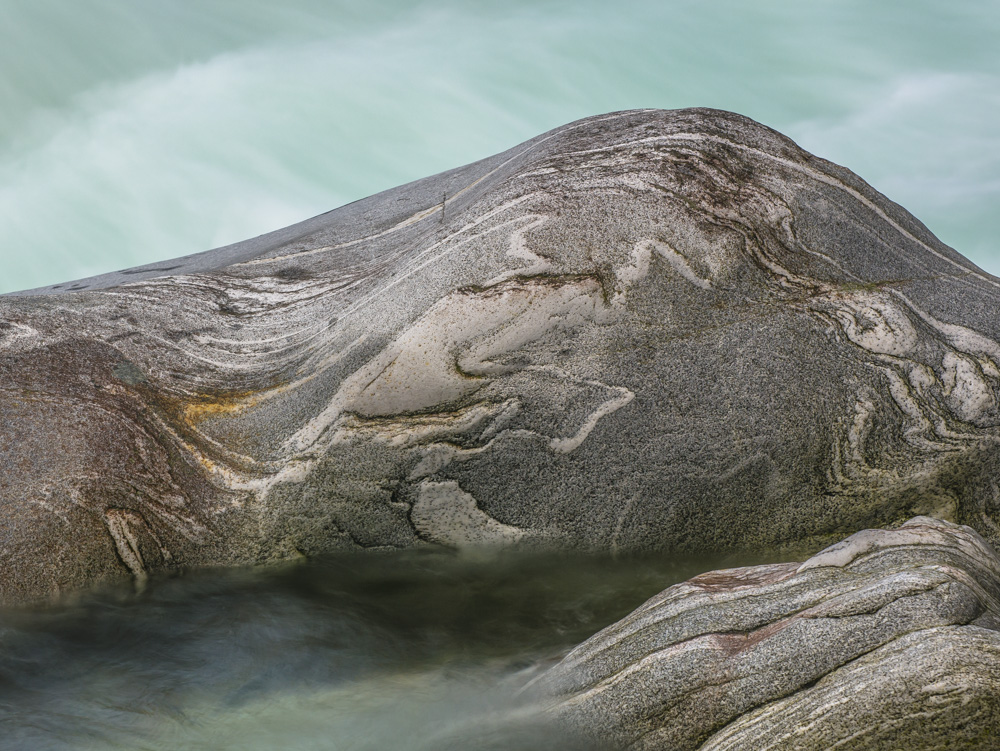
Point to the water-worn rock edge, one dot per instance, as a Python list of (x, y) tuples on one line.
[(887, 640), (647, 330)]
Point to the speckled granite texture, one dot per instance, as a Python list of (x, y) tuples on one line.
[(886, 641), (647, 330)]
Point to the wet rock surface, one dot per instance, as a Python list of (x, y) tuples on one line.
[(887, 640), (671, 331)]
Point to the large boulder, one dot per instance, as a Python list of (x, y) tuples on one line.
[(649, 330), (889, 640)]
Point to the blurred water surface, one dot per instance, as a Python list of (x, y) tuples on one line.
[(132, 132), (411, 650)]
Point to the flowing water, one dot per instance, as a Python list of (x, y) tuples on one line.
[(143, 130), (412, 650)]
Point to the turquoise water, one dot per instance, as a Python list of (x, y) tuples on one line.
[(131, 132), (142, 130)]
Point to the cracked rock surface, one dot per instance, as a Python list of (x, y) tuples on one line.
[(648, 330), (887, 640)]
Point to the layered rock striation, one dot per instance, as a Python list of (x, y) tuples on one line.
[(648, 330), (887, 640)]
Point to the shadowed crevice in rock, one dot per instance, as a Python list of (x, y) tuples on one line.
[(649, 330)]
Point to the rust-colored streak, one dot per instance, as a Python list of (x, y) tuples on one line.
[(232, 403), (735, 578), (732, 644)]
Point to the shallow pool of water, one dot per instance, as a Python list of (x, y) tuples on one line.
[(415, 650)]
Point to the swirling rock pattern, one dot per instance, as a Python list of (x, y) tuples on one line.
[(887, 640), (646, 330)]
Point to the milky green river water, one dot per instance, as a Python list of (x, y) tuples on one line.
[(143, 130), (148, 129), (411, 651)]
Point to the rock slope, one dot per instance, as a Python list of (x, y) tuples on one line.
[(887, 640), (646, 330)]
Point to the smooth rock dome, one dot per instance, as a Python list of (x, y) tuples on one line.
[(649, 330)]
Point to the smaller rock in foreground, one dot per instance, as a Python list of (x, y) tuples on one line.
[(887, 640)]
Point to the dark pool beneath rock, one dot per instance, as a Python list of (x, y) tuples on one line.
[(412, 650)]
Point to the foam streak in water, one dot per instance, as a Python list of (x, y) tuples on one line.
[(133, 133)]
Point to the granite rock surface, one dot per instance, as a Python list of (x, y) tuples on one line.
[(887, 640), (648, 330)]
